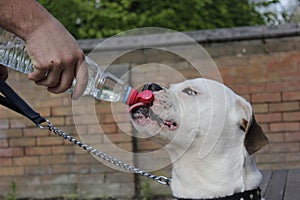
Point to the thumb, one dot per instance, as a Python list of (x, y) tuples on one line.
[(81, 80)]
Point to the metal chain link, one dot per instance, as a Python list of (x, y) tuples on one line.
[(160, 179)]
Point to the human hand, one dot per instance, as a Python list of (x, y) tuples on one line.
[(3, 73), (57, 59)]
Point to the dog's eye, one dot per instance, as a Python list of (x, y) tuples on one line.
[(189, 91)]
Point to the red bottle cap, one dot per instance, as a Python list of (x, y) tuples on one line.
[(144, 97)]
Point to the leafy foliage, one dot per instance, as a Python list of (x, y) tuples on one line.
[(103, 18), (13, 189)]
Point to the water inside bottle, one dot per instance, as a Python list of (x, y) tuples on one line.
[(108, 95), (108, 89), (14, 56)]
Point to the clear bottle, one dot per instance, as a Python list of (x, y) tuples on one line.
[(101, 85)]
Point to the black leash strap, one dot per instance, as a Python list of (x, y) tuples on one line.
[(13, 101)]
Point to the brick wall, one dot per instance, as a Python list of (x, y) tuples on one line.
[(259, 63)]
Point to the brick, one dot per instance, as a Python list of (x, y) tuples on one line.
[(103, 107), (35, 132), (109, 128), (53, 159), (20, 123), (11, 152), (292, 136), (92, 139), (291, 116), (269, 117), (276, 137), (148, 145), (48, 141), (11, 171), (38, 170), (11, 133), (125, 127), (118, 138), (5, 162), (4, 124), (3, 143), (265, 97), (283, 106), (284, 147), (122, 117), (70, 121), (292, 157), (86, 159), (284, 126), (44, 111), (94, 129), (22, 161), (32, 151), (126, 146), (50, 102), (63, 169), (22, 142), (61, 111), (260, 108), (83, 109), (62, 150), (270, 157), (265, 127), (6, 113), (82, 119), (291, 96), (106, 118), (119, 178), (81, 129), (290, 86), (57, 121)]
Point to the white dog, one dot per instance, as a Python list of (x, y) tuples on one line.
[(210, 134)]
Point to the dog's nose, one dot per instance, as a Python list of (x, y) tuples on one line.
[(152, 86)]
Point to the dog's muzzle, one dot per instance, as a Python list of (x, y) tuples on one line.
[(141, 112)]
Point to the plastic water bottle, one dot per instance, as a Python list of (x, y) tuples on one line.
[(101, 85)]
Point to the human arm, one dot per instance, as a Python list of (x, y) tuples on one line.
[(55, 53)]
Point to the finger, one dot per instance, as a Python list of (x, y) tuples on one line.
[(52, 78), (64, 83), (81, 80), (37, 74)]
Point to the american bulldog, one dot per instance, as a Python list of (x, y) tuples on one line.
[(210, 134)]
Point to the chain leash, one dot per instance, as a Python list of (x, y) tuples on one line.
[(10, 99), (160, 179)]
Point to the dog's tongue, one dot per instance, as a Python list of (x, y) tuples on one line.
[(138, 99)]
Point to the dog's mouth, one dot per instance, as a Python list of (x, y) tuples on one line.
[(144, 114)]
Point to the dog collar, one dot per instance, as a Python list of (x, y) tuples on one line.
[(246, 195)]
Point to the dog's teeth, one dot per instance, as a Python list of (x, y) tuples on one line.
[(170, 124)]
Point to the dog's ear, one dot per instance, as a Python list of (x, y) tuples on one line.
[(255, 138)]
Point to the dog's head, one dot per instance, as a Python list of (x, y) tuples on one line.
[(195, 109)]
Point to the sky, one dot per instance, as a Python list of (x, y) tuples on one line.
[(288, 6)]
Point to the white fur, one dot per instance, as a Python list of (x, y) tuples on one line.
[(207, 148)]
